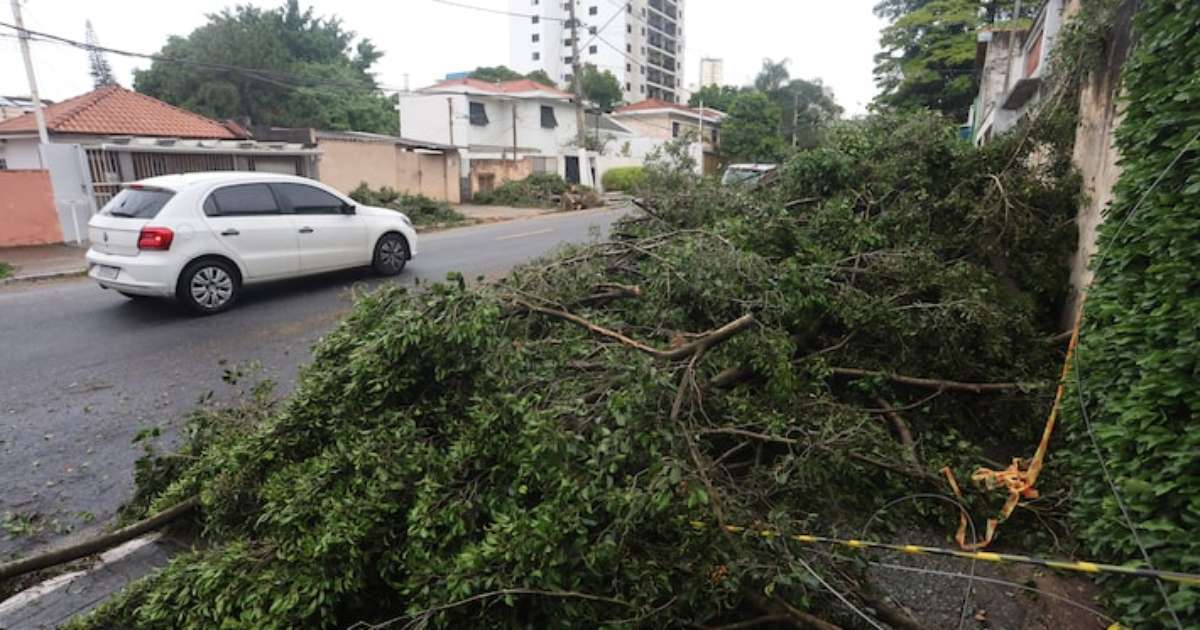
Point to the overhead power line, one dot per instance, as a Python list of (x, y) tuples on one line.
[(498, 11), (273, 77)]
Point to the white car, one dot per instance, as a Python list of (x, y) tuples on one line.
[(200, 237)]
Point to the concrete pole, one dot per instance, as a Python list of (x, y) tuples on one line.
[(580, 126), (33, 91)]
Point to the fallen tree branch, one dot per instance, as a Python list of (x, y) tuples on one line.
[(930, 383), (749, 623), (700, 344), (429, 612), (917, 473), (612, 292), (903, 432), (798, 618), (729, 377), (98, 544)]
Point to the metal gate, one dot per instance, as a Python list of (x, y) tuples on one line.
[(72, 188)]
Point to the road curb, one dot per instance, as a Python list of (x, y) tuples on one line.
[(42, 277)]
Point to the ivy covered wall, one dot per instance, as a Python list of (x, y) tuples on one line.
[(1138, 365)]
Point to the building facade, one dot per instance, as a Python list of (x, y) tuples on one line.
[(712, 72), (641, 42)]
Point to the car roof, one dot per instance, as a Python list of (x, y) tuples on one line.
[(186, 180), (753, 167)]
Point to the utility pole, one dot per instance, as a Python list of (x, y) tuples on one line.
[(514, 126), (795, 119), (577, 70), (33, 91), (450, 119)]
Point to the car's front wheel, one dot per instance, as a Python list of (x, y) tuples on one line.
[(391, 254), (208, 286)]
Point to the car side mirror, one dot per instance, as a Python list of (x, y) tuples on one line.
[(348, 208)]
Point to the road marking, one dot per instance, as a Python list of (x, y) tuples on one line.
[(524, 234)]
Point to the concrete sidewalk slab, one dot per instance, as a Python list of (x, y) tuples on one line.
[(53, 602), (499, 213), (44, 261)]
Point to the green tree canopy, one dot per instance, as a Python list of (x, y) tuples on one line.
[(601, 88), (805, 106), (928, 51), (751, 131), (495, 74), (718, 97), (289, 68)]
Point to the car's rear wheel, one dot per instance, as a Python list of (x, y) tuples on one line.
[(391, 254), (208, 286)]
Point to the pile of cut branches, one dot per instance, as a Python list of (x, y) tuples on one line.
[(542, 452)]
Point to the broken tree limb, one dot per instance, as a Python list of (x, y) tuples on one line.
[(730, 377), (611, 292), (701, 343), (930, 383), (98, 544), (903, 432)]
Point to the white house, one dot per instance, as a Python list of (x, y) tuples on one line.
[(654, 122), (1012, 63), (503, 131)]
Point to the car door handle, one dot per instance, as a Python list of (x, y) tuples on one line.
[(230, 232), (306, 230)]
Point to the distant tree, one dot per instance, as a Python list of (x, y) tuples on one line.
[(928, 56), (540, 76), (495, 74), (750, 133), (808, 107), (774, 75), (601, 88), (98, 66), (304, 71), (718, 97), (805, 106)]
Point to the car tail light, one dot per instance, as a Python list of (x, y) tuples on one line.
[(155, 238)]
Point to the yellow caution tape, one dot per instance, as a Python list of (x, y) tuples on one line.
[(1080, 566)]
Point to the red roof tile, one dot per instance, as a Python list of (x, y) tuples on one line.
[(503, 87), (113, 110), (654, 104)]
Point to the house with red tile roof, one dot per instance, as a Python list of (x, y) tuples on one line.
[(503, 131), (655, 122), (111, 136)]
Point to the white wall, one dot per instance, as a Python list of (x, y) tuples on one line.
[(427, 118), (20, 153)]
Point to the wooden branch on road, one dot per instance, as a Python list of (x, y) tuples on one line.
[(98, 544), (931, 383)]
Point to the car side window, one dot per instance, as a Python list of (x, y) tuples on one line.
[(241, 200), (308, 199)]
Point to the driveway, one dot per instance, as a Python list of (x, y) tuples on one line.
[(83, 370)]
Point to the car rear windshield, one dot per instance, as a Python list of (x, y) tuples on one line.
[(138, 203)]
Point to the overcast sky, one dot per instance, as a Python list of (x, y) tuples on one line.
[(833, 40)]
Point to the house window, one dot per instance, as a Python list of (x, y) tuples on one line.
[(537, 56), (674, 130), (568, 60), (629, 28), (537, 37), (535, 19), (535, 2), (628, 67), (592, 30), (3, 164), (593, 11), (628, 87), (479, 115), (548, 119), (629, 48), (593, 50)]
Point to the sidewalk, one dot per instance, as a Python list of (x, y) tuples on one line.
[(498, 213), (43, 261)]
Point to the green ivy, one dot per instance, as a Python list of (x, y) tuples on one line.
[(1139, 356)]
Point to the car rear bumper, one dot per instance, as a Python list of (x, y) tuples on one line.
[(136, 275)]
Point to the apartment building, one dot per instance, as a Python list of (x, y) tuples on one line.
[(640, 41)]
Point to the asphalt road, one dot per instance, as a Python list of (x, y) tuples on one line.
[(83, 370)]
